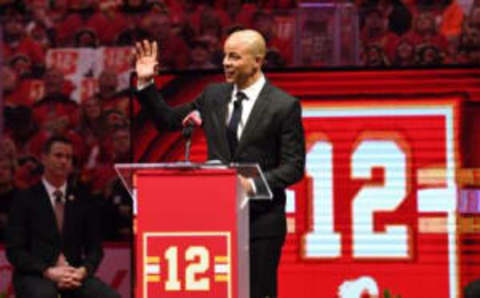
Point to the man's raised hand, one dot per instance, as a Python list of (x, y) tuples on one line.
[(146, 60)]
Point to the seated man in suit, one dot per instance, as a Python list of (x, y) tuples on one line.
[(53, 239)]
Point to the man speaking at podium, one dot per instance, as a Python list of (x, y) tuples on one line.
[(246, 120)]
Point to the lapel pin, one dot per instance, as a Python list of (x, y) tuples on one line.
[(71, 198)]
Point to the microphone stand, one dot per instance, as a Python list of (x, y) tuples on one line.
[(132, 87), (187, 133)]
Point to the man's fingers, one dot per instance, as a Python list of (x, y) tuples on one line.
[(141, 50), (68, 268), (138, 49), (243, 180), (75, 283), (147, 48), (155, 50), (70, 277), (65, 281), (65, 285), (71, 270), (135, 52), (246, 184)]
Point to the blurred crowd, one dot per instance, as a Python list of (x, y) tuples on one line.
[(189, 33), (419, 32), (37, 96)]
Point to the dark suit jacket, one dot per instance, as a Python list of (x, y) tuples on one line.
[(272, 137), (33, 241)]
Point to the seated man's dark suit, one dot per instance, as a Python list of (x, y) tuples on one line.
[(34, 242), (273, 137)]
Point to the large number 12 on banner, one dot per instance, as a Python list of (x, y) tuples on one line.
[(379, 212)]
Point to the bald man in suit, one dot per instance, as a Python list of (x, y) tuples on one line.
[(245, 120)]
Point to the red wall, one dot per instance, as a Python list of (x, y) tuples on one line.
[(431, 267)]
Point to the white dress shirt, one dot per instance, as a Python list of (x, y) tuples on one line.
[(52, 189), (252, 93)]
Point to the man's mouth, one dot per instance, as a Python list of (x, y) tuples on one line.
[(229, 73)]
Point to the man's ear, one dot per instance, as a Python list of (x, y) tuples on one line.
[(260, 61)]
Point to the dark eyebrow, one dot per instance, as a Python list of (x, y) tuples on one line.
[(64, 154)]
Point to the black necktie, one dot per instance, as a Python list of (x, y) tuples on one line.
[(59, 208), (232, 127), (59, 214)]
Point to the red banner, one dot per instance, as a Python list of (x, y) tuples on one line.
[(377, 209)]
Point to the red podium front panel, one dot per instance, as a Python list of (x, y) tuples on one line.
[(187, 237)]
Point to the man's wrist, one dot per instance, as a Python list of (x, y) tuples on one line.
[(144, 83)]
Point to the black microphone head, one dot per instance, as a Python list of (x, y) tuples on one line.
[(188, 130)]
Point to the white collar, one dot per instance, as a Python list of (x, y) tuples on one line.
[(252, 91), (51, 189)]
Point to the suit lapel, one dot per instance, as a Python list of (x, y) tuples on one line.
[(69, 207), (258, 109), (221, 112), (46, 205)]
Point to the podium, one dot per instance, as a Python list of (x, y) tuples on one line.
[(191, 230)]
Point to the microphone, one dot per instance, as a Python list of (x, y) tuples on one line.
[(193, 119), (188, 130)]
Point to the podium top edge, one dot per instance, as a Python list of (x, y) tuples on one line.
[(181, 165)]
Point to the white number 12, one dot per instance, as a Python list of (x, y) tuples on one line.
[(322, 241)]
